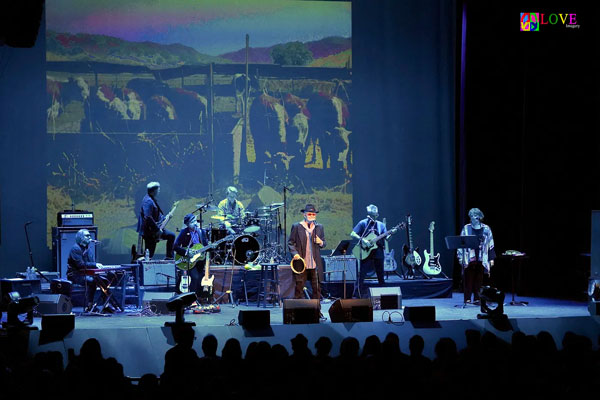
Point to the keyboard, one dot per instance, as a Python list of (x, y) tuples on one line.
[(108, 268)]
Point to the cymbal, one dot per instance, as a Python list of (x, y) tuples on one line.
[(276, 205), (208, 207), (219, 217)]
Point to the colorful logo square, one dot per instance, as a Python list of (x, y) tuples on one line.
[(530, 22)]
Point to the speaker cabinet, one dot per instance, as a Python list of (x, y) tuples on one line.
[(335, 266), (54, 304), (157, 301), (254, 319), (63, 239), (300, 311), (386, 298), (63, 323), (351, 310), (419, 314)]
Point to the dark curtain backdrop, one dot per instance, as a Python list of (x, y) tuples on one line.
[(531, 135), (404, 55)]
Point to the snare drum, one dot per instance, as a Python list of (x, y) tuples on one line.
[(245, 249)]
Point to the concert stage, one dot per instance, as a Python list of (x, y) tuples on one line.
[(140, 342)]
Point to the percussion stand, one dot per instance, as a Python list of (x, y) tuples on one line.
[(285, 249)]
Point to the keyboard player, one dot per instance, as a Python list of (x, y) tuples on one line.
[(81, 259)]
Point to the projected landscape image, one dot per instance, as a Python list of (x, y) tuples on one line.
[(168, 91)]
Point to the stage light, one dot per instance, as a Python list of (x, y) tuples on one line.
[(17, 305), (178, 304), (492, 303)]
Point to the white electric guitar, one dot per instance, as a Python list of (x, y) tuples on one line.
[(431, 266)]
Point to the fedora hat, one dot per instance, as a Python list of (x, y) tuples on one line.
[(309, 208)]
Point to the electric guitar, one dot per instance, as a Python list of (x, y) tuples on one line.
[(197, 252), (411, 258), (184, 285), (389, 263), (165, 220), (207, 283), (431, 266), (362, 249)]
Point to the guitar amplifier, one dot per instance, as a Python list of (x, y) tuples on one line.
[(75, 218), (334, 268), (157, 272)]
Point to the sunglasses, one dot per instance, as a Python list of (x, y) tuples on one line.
[(311, 214)]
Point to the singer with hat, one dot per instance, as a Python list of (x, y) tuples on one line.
[(307, 238)]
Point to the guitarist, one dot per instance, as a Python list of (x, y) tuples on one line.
[(376, 258), (149, 218), (189, 236)]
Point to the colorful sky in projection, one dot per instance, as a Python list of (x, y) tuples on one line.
[(210, 26)]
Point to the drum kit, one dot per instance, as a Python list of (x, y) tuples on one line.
[(256, 237)]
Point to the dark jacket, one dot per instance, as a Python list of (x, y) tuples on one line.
[(297, 244), (184, 238), (79, 259), (150, 216)]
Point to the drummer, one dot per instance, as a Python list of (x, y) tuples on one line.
[(231, 209)]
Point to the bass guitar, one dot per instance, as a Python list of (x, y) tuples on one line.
[(184, 285), (165, 220), (412, 258), (362, 249), (136, 250), (389, 263), (207, 283), (196, 253), (431, 266)]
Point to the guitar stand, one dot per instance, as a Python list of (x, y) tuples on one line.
[(229, 292)]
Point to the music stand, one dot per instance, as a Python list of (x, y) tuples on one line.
[(462, 242), (340, 250)]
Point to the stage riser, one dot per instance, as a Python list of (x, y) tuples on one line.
[(141, 350), (411, 289)]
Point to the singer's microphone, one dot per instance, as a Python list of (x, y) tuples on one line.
[(95, 241), (28, 223)]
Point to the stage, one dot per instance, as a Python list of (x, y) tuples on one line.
[(139, 342)]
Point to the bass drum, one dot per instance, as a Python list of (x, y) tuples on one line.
[(245, 249)]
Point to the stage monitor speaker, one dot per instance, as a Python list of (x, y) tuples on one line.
[(419, 314), (58, 323), (386, 298), (63, 239), (351, 310), (54, 304), (157, 301), (254, 319), (301, 311)]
